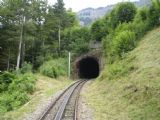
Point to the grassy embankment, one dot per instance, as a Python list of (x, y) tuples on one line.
[(129, 89), (45, 87)]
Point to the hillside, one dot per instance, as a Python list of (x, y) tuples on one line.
[(89, 15), (129, 89)]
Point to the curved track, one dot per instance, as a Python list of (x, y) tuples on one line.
[(65, 106)]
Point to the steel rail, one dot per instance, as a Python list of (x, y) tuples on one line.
[(76, 106), (44, 114), (61, 110)]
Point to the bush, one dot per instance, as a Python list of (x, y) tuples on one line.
[(142, 15), (54, 68), (5, 103), (154, 13), (18, 98), (117, 69), (123, 27), (24, 83), (123, 42), (6, 78), (123, 12), (11, 101), (15, 90), (140, 28), (26, 67)]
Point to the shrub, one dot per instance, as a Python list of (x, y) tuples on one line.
[(123, 27), (18, 98), (154, 13), (116, 70), (123, 42), (6, 78), (5, 103), (142, 14), (54, 68), (24, 83), (107, 46), (10, 101), (123, 12), (41, 58), (15, 90), (26, 67), (140, 28)]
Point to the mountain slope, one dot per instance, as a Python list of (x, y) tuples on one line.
[(89, 15), (130, 88)]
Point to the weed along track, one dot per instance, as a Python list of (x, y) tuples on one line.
[(66, 105)]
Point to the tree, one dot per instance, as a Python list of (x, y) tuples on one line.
[(99, 30), (123, 12), (154, 13), (77, 40), (19, 22), (29, 31)]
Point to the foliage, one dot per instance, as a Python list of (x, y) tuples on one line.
[(54, 68), (15, 90), (38, 23), (124, 34), (98, 30), (26, 67), (154, 14), (117, 69), (123, 42), (77, 40), (25, 82), (142, 14), (125, 86), (6, 79), (123, 12)]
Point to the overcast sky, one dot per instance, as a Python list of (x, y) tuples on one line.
[(77, 5)]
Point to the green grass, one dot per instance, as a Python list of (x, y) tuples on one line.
[(45, 87), (129, 89)]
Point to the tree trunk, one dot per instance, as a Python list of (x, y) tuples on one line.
[(8, 61), (23, 42), (20, 47), (23, 52)]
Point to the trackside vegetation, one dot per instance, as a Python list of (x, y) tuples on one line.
[(35, 38), (45, 88), (54, 68), (29, 44), (128, 87), (15, 90)]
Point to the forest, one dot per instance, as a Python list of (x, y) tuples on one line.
[(36, 37)]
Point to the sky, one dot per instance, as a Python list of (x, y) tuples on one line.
[(78, 5)]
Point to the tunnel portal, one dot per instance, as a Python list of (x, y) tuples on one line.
[(88, 68)]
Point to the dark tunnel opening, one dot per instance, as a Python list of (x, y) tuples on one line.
[(88, 68)]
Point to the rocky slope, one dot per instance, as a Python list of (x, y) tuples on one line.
[(89, 15)]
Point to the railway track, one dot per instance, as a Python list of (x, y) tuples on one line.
[(66, 105)]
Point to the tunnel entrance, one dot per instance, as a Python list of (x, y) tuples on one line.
[(88, 68)]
